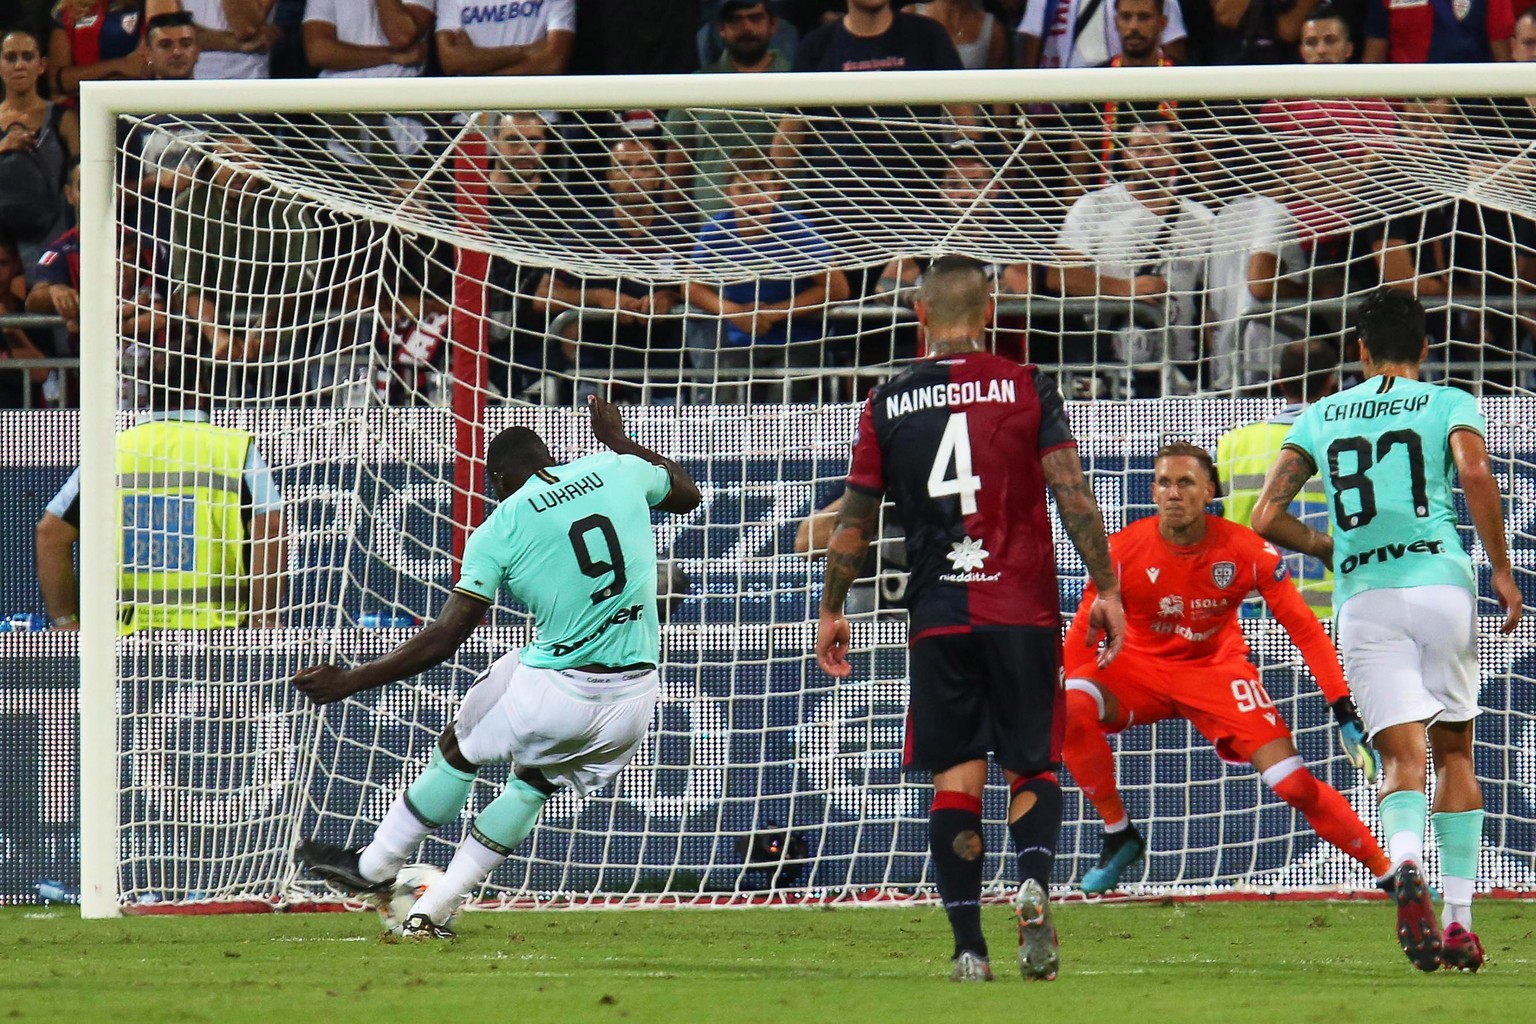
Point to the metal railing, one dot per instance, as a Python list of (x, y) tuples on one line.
[(887, 312), (33, 322), (1338, 311), (890, 314)]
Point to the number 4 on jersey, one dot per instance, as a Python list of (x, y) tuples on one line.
[(955, 447)]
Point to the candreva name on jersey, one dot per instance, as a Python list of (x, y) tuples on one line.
[(1369, 410), (546, 500), (965, 392)]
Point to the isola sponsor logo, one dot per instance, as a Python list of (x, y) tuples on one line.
[(546, 500), (483, 14), (1390, 553), (631, 614), (965, 392)]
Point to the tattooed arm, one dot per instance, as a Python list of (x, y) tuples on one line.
[(1081, 519), (1272, 517), (1080, 515), (858, 523)]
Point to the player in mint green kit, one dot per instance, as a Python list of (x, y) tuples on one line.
[(1405, 598), (573, 542)]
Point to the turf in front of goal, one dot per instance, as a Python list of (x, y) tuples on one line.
[(1186, 962)]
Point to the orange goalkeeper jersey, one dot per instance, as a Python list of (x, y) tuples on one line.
[(1181, 603)]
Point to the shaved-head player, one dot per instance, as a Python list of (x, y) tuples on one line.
[(573, 542), (965, 443)]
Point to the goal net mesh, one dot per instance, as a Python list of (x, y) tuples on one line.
[(383, 293)]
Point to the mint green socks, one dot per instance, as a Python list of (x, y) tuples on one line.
[(1403, 816), (435, 798), (510, 817), (1460, 836), (439, 793)]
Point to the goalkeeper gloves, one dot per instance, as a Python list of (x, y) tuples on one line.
[(1352, 736)]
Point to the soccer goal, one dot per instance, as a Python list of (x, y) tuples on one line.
[(386, 273)]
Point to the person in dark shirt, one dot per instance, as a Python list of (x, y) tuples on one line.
[(765, 322), (1249, 31), (965, 444), (635, 37), (14, 342), (1438, 32), (629, 221), (873, 37), (1459, 248), (875, 155), (528, 202)]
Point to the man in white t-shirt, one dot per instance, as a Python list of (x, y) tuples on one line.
[(1257, 253), (236, 37), (367, 38), (1081, 33), (505, 37), (1138, 240)]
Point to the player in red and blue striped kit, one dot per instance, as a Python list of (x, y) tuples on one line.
[(966, 443)]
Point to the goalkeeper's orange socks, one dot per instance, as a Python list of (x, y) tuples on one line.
[(1088, 757), (434, 799), (1327, 812), (955, 842), (1034, 822)]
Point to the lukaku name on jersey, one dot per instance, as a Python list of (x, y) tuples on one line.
[(546, 500)]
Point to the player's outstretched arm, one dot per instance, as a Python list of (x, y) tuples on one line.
[(1081, 519), (1272, 517), (1487, 508), (858, 522), (608, 428), (433, 645)]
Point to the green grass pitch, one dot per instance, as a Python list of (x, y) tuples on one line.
[(1245, 963)]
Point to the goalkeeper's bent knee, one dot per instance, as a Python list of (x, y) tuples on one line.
[(440, 792)]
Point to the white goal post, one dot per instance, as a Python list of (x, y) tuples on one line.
[(670, 835)]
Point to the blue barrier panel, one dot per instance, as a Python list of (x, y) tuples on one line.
[(218, 777), (222, 767)]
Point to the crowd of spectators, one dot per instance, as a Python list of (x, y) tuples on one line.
[(1143, 222)]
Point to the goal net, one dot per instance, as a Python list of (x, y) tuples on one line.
[(384, 279)]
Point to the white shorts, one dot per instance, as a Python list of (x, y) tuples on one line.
[(1411, 655), (577, 728)]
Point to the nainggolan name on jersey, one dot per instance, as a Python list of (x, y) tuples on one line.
[(965, 392)]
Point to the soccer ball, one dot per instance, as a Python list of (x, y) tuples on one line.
[(395, 906)]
